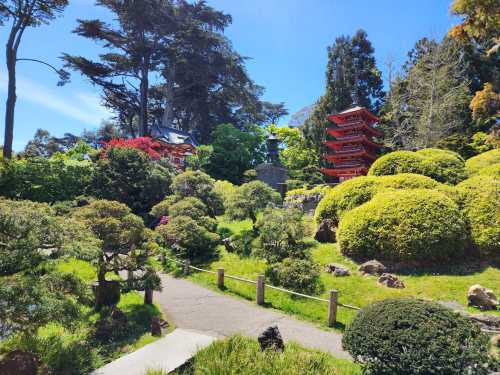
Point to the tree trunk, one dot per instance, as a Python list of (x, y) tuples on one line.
[(168, 112), (148, 296), (11, 55), (143, 112)]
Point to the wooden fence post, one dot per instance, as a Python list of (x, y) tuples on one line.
[(186, 267), (220, 278), (332, 307), (260, 290)]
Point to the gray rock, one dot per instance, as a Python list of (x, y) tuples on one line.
[(372, 267), (326, 231), (390, 281), (481, 297), (228, 245), (337, 269), (271, 339)]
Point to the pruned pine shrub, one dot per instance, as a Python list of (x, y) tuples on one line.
[(415, 337), (414, 226), (441, 165), (188, 239)]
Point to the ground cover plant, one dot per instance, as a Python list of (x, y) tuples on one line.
[(241, 355)]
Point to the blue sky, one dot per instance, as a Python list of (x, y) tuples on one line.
[(285, 39)]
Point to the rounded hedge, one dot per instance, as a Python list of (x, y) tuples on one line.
[(413, 226), (352, 193), (415, 337), (441, 165), (481, 206), (299, 275), (492, 170), (486, 159)]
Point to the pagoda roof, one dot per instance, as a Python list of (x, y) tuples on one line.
[(341, 130), (353, 111)]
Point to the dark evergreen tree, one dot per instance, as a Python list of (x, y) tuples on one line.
[(352, 79)]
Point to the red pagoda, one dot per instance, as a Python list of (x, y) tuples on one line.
[(352, 150)]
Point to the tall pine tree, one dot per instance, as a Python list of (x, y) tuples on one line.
[(352, 79)]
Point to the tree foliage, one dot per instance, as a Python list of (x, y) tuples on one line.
[(352, 78)]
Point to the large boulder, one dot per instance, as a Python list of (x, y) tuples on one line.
[(326, 231), (337, 269), (271, 339), (481, 297), (19, 362), (372, 267), (390, 281)]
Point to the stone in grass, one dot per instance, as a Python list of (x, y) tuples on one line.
[(326, 231), (271, 339), (372, 267), (337, 269), (481, 297), (228, 245), (390, 281)]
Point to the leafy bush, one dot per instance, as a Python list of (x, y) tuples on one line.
[(442, 165), (477, 163), (299, 275), (414, 337), (189, 206), (352, 193), (188, 239), (492, 170), (481, 205), (408, 225), (199, 185), (281, 234), (162, 208), (44, 179), (131, 177), (225, 189)]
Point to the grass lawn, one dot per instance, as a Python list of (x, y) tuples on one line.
[(241, 355), (357, 290)]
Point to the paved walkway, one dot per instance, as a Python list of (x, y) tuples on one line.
[(193, 307), (166, 354)]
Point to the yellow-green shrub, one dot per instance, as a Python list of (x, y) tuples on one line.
[(441, 165), (486, 159), (416, 225), (481, 206), (352, 193)]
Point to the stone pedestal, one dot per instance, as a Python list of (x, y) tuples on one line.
[(272, 174)]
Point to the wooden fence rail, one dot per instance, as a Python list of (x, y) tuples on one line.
[(333, 300)]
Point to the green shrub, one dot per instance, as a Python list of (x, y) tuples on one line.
[(407, 225), (492, 170), (414, 337), (225, 189), (352, 193), (161, 209), (281, 234), (442, 165), (188, 239), (189, 206), (481, 206), (44, 179), (299, 275), (486, 159)]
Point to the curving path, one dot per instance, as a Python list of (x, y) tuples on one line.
[(193, 307)]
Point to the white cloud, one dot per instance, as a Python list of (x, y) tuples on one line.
[(80, 106)]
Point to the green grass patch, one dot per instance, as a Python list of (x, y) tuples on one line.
[(241, 355), (444, 284)]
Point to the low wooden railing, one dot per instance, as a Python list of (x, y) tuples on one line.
[(332, 301)]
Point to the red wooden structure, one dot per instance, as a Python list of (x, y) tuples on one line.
[(352, 150)]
